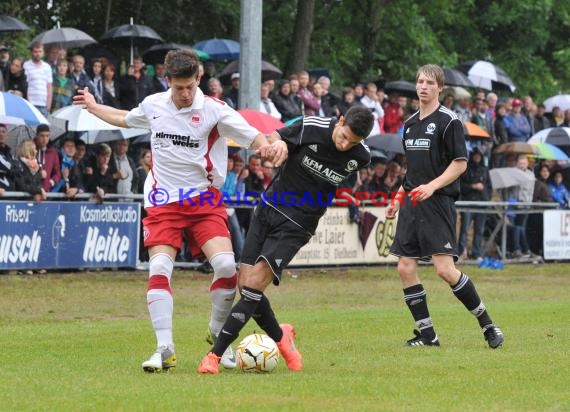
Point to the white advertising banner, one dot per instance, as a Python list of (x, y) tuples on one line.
[(557, 234), (338, 241)]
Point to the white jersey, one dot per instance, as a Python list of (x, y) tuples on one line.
[(187, 145)]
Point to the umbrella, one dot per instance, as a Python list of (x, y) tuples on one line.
[(156, 53), (17, 110), (18, 133), (376, 155), (80, 120), (8, 23), (561, 100), (66, 37), (515, 148), (403, 87), (454, 77), (101, 136), (474, 130), (487, 76), (502, 177), (549, 152), (219, 49), (261, 121), (387, 142), (293, 120), (132, 35), (458, 92), (268, 71), (558, 136)]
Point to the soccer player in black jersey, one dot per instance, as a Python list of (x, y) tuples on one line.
[(435, 150), (322, 153)]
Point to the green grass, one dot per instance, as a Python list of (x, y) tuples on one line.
[(74, 342)]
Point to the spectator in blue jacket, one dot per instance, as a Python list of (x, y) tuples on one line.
[(518, 127), (559, 190)]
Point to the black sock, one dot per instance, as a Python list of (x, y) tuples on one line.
[(265, 318), (465, 291), (240, 314), (416, 299)]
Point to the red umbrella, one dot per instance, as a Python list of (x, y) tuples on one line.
[(261, 121)]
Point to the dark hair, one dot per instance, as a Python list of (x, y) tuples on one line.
[(360, 120), (181, 63), (42, 128)]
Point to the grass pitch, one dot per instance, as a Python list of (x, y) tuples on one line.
[(75, 342)]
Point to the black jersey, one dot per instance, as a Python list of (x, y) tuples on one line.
[(431, 145), (306, 183)]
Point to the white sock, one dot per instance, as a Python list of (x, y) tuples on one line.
[(161, 308), (222, 302)]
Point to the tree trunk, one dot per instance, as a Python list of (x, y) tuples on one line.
[(301, 42), (371, 34)]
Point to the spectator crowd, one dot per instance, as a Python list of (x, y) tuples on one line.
[(67, 165)]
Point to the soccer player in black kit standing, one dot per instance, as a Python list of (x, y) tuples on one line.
[(322, 153), (435, 149)]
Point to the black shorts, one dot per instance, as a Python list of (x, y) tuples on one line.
[(426, 229), (274, 238)]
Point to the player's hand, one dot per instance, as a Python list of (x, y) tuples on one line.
[(421, 193), (84, 98), (276, 152), (392, 210)]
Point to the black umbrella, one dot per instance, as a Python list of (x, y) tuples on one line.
[(66, 37), (132, 35), (8, 23), (454, 77), (156, 53), (389, 142), (268, 72), (487, 75), (401, 86)]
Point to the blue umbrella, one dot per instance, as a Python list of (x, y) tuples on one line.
[(219, 49), (17, 110), (293, 120)]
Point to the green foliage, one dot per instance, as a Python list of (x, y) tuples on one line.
[(355, 40)]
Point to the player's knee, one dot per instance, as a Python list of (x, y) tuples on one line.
[(161, 264), (224, 265), (447, 273), (406, 268)]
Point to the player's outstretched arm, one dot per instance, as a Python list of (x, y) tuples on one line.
[(109, 114)]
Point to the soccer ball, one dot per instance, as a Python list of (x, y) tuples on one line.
[(257, 353)]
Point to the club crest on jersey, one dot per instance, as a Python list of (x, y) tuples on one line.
[(351, 165), (195, 120), (430, 128)]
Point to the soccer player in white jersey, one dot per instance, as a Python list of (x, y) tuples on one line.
[(189, 156)]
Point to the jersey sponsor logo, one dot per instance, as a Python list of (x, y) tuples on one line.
[(417, 144), (430, 128), (178, 140), (320, 170), (351, 165)]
